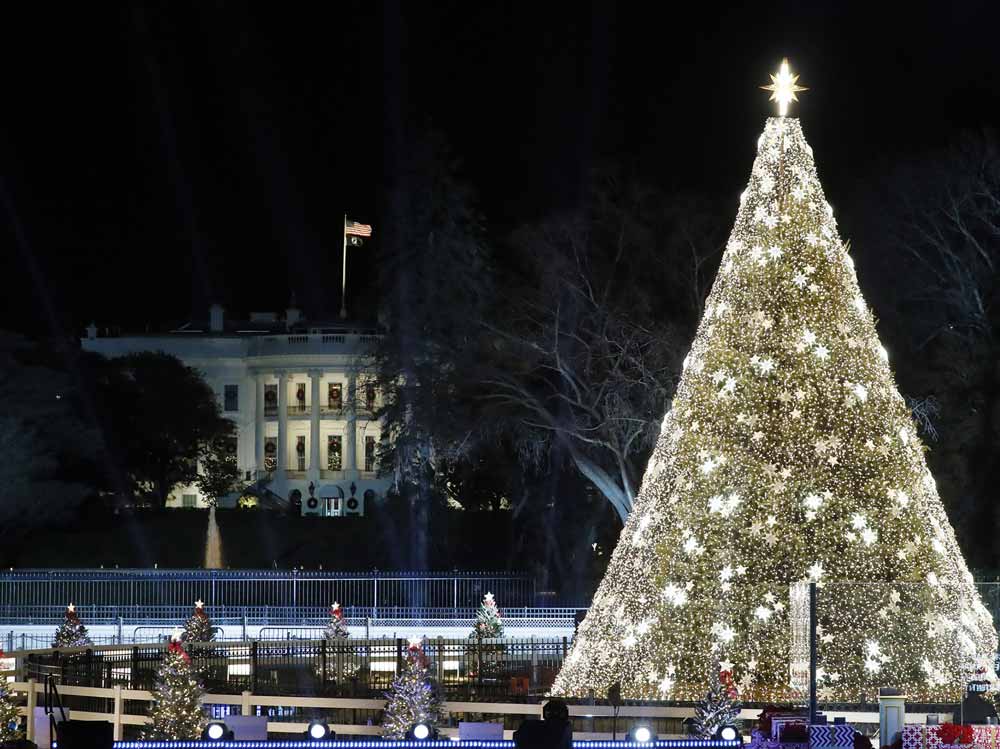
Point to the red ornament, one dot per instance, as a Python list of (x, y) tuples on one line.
[(177, 648)]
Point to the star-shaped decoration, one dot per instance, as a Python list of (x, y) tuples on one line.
[(199, 604), (784, 87), (71, 608)]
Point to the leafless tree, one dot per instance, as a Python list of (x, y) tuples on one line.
[(586, 358)]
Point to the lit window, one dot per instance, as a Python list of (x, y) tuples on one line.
[(334, 447), (188, 501)]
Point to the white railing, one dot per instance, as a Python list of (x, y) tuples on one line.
[(247, 701)]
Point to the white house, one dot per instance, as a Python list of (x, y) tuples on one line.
[(300, 394)]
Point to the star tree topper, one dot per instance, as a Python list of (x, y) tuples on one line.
[(783, 87)]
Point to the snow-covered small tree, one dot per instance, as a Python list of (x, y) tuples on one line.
[(336, 628), (176, 712), (719, 707), (198, 627), (71, 633), (488, 621), (10, 719), (414, 697)]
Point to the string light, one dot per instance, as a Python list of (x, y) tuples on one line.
[(787, 402)]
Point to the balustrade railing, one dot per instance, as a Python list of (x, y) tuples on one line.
[(128, 591), (465, 669)]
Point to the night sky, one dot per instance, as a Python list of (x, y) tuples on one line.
[(159, 157)]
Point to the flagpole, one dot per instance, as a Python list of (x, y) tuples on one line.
[(343, 282)]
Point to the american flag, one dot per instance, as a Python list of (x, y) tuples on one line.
[(354, 229)]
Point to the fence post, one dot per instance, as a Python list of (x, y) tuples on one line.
[(399, 655), (10, 641), (121, 621), (534, 664), (32, 704), (245, 705), (253, 666), (119, 709), (322, 655), (440, 660), (135, 667), (244, 624)]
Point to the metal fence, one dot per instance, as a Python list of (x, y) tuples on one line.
[(136, 592), (465, 669)]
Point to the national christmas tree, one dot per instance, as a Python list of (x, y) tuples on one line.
[(488, 622), (413, 698), (788, 456), (71, 633), (198, 627), (719, 708), (176, 712)]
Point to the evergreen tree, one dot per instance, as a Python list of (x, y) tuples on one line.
[(176, 712), (413, 698), (198, 627), (10, 719), (488, 622), (71, 633), (788, 455), (336, 629), (719, 707)]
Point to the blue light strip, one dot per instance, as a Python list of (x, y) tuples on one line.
[(367, 743)]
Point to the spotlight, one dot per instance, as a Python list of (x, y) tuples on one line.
[(317, 730), (421, 732), (727, 733), (641, 734), (216, 730)]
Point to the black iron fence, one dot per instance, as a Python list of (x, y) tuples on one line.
[(134, 590), (464, 669)]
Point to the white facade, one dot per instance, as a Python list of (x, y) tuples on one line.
[(302, 403)]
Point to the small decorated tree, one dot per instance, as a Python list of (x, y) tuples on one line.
[(719, 707), (10, 719), (336, 629), (71, 633), (413, 698), (488, 622), (198, 627), (176, 712), (337, 662)]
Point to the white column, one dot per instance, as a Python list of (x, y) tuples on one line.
[(314, 467), (282, 422), (891, 715), (351, 429), (259, 428)]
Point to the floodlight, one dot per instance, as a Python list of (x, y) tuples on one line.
[(641, 734), (216, 730), (317, 730), (727, 733)]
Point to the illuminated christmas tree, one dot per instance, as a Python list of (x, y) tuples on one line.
[(176, 712), (10, 718), (413, 698), (719, 708), (71, 633), (788, 456), (488, 622), (198, 627), (336, 629)]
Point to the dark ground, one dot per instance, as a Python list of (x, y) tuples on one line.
[(255, 539)]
